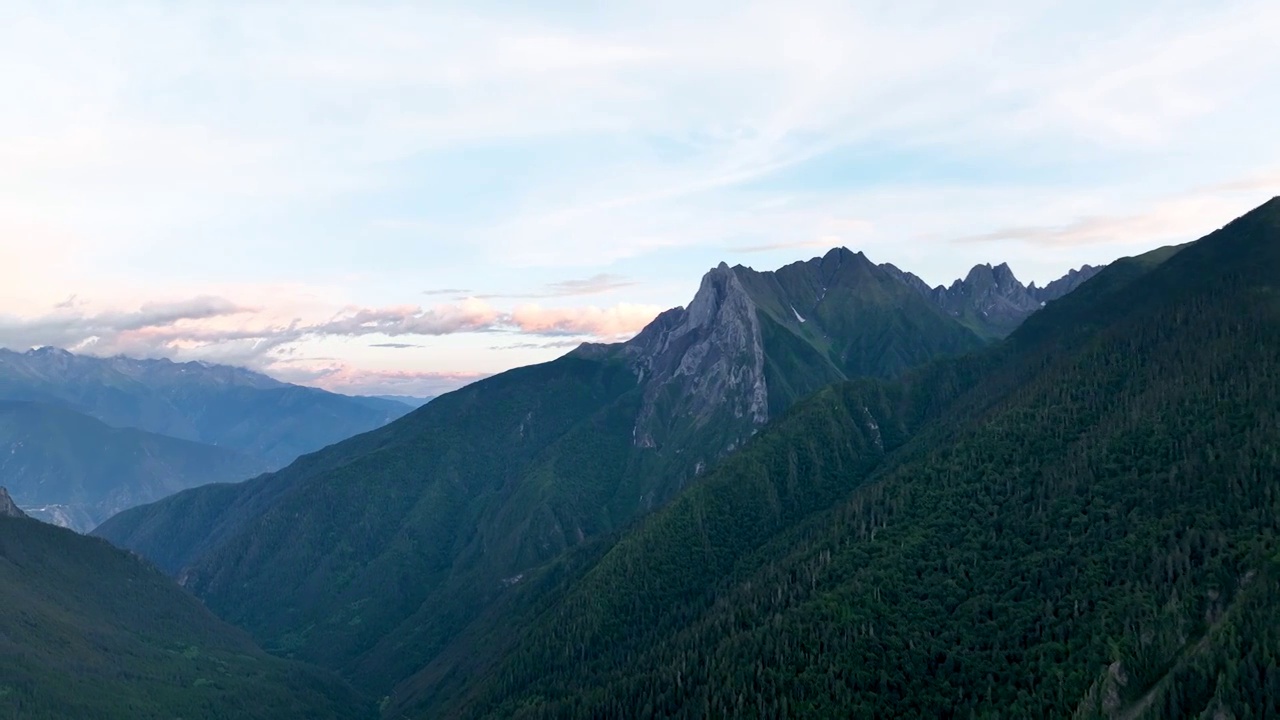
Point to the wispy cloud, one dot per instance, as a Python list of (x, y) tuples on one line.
[(831, 233), (594, 285), (68, 327), (344, 378), (376, 149), (470, 315), (216, 329), (771, 247), (545, 345), (1269, 183), (1176, 218), (611, 322)]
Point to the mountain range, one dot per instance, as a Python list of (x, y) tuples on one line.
[(214, 404), (991, 301), (94, 470), (371, 556), (823, 491), (163, 426), (1081, 522), (87, 437)]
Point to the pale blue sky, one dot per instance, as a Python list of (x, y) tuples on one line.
[(299, 187)]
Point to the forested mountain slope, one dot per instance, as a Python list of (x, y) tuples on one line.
[(1081, 522), (87, 631), (371, 555), (58, 460)]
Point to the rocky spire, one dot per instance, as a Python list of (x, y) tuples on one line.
[(991, 300), (8, 508), (704, 362)]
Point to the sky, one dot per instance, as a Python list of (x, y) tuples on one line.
[(399, 198)]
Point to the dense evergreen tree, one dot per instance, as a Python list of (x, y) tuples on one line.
[(1079, 522), (88, 631), (1083, 522), (371, 555)]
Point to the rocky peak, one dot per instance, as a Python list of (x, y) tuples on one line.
[(701, 368), (843, 261), (990, 299), (1003, 286), (1063, 285), (1004, 276), (719, 287), (979, 275), (701, 363), (987, 280), (8, 508), (50, 357)]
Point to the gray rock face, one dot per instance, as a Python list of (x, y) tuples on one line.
[(1063, 285), (702, 369), (703, 366), (7, 507), (992, 296), (991, 300), (66, 516), (701, 363)]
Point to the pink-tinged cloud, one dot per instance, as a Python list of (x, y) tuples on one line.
[(214, 329), (343, 378), (1173, 219), (71, 327), (469, 315), (618, 321)]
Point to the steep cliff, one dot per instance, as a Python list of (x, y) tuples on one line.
[(702, 364), (7, 507)]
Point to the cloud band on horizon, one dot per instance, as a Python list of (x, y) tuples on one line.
[(215, 328)]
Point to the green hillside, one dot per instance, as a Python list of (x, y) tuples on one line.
[(861, 320), (87, 631), (370, 556), (1080, 523)]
